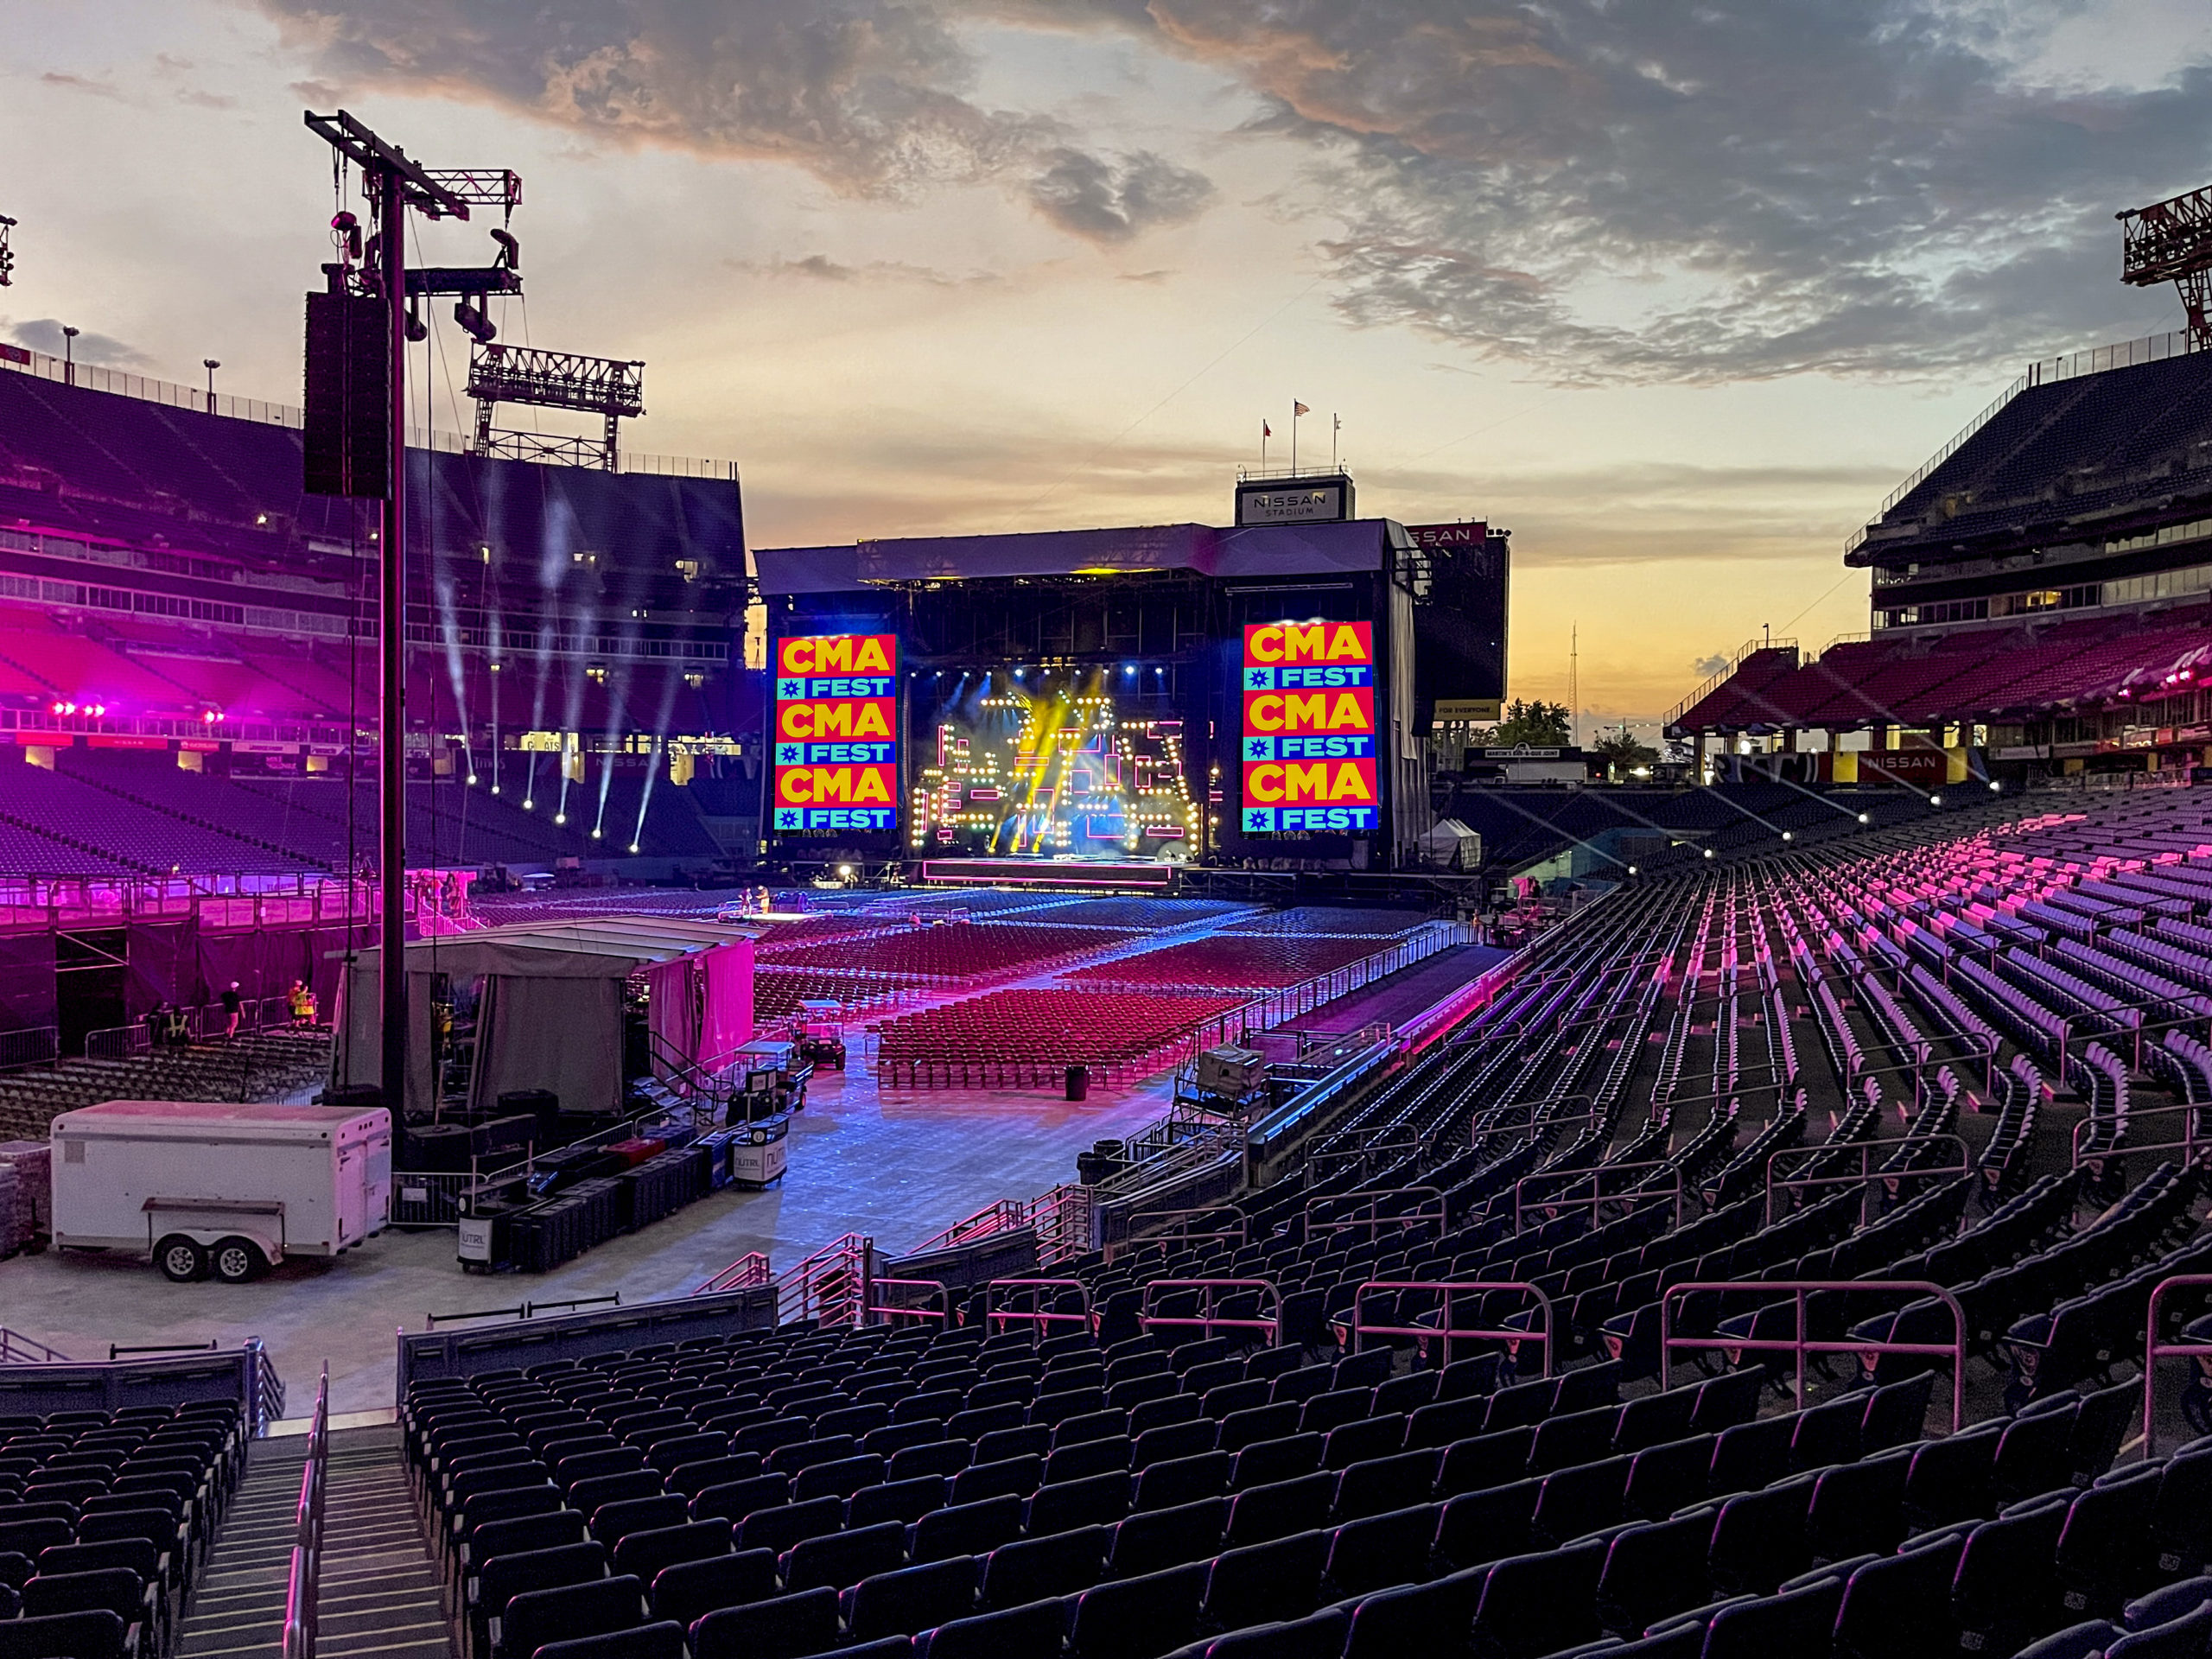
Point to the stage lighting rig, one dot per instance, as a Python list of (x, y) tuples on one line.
[(606, 386), (355, 443), (2171, 241), (7, 256)]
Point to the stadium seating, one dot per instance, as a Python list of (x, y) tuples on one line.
[(1026, 1036), (1232, 961)]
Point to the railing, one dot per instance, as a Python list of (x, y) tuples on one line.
[(1446, 1332), (1004, 1215), (1206, 1319), (34, 1045), (941, 1313), (1062, 1219), (302, 1587), (265, 1389), (1036, 1315), (1179, 1224), (203, 1024), (1803, 1346), (2154, 1350), (1867, 1172), (830, 1286), (2187, 1145), (1429, 1207), (520, 1311), (751, 1268), (1597, 1197), (16, 1349), (1712, 683)]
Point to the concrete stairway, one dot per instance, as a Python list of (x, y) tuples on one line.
[(379, 1589)]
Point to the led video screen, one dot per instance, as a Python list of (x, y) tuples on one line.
[(836, 712), (1022, 761), (1307, 751)]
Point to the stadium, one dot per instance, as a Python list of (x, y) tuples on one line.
[(576, 1087)]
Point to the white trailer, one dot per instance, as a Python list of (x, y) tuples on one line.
[(205, 1187)]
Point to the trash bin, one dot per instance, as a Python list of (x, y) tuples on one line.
[(1101, 1161), (1078, 1083)]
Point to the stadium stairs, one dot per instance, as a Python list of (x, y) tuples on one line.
[(378, 1591)]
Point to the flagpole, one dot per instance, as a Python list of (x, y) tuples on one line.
[(1263, 446), (1294, 439), (1336, 426)]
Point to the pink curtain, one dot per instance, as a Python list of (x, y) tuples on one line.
[(728, 1021), (674, 994)]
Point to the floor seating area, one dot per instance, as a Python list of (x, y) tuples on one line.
[(950, 951), (1251, 961), (1028, 1035), (105, 1524), (258, 1065)]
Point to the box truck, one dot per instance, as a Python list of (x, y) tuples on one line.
[(203, 1187)]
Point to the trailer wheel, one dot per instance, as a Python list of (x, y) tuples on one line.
[(180, 1259), (236, 1261)]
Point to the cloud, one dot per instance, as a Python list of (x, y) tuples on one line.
[(1114, 199), (1152, 277), (80, 84), (871, 97), (1736, 189), (44, 335), (203, 100), (821, 268), (1706, 667)]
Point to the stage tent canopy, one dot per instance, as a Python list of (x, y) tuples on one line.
[(550, 1013)]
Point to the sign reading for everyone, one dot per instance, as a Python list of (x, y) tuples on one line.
[(836, 735), (1308, 748)]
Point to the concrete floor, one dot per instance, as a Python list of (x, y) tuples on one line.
[(898, 1169)]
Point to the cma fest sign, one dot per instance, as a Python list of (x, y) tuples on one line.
[(1308, 748), (837, 739)]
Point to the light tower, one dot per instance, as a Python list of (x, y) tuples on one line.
[(2171, 241)]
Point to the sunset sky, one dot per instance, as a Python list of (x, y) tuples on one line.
[(1676, 291)]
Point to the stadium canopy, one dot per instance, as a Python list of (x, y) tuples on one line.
[(1257, 550), (549, 1014)]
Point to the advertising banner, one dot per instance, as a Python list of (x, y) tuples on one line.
[(1308, 749), (836, 737)]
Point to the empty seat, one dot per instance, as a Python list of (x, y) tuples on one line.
[(787, 1627)]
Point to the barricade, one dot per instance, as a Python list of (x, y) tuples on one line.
[(1595, 1175), (1206, 1319), (1036, 1316), (1800, 1344), (1865, 1173), (1446, 1332), (2154, 1350)]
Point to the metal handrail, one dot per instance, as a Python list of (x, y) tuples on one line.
[(1444, 1330), (1037, 1316), (1866, 1171), (1595, 1173), (751, 1268), (1241, 1232), (302, 1582), (1431, 1208), (16, 1349), (2154, 1350), (2187, 1145), (941, 1313), (1800, 1344), (1205, 1319)]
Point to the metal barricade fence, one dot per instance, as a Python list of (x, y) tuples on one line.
[(428, 1198), (888, 1311), (303, 1583), (1803, 1346), (1866, 1171), (1205, 1319), (1595, 1174), (2154, 1350), (1446, 1332), (1037, 1315)]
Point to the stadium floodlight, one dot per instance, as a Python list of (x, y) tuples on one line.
[(1786, 836), (1996, 788), (1708, 852), (1865, 817), (1934, 800), (2171, 241)]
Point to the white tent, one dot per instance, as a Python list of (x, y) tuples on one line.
[(550, 1013), (1449, 844)]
